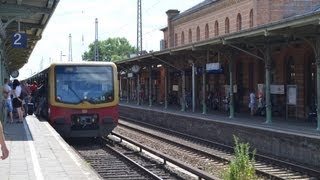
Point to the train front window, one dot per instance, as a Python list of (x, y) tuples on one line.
[(76, 84)]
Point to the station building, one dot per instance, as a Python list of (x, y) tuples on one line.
[(228, 49)]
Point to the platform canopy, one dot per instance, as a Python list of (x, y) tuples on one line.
[(28, 16)]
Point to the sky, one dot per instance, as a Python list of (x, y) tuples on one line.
[(116, 18)]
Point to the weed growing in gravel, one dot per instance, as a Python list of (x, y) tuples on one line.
[(242, 166)]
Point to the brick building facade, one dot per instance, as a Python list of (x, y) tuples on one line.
[(215, 18), (292, 64)]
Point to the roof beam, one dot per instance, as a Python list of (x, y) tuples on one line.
[(14, 10), (23, 25)]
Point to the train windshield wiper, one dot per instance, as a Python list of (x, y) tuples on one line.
[(80, 100)]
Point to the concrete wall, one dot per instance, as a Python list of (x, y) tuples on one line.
[(294, 147)]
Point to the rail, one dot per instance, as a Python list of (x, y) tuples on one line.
[(199, 173)]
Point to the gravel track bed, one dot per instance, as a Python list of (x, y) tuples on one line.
[(110, 166), (212, 166), (205, 162)]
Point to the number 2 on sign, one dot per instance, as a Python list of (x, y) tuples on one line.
[(17, 38)]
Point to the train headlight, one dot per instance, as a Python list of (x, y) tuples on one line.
[(78, 120), (93, 120)]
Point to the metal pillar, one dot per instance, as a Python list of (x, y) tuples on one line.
[(317, 54), (267, 55), (183, 91), (193, 87), (70, 49), (150, 87), (231, 105), (204, 105), (139, 28), (166, 89), (120, 87), (138, 89), (96, 41), (128, 90)]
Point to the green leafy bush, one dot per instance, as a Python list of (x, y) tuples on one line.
[(242, 166)]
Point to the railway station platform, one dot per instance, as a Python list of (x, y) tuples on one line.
[(292, 140), (36, 152)]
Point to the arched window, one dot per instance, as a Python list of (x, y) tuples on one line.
[(239, 23), (182, 38), (175, 39), (251, 18), (216, 28), (190, 36), (227, 26), (198, 33), (207, 31)]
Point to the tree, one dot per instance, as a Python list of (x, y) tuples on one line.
[(112, 49)]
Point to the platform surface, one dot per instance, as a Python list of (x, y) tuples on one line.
[(279, 124), (38, 152)]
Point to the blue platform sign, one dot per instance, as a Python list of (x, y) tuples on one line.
[(19, 40)]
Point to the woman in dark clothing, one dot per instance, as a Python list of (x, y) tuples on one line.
[(17, 99)]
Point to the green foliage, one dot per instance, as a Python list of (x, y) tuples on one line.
[(112, 49), (242, 167)]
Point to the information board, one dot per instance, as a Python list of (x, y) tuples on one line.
[(276, 89), (292, 94)]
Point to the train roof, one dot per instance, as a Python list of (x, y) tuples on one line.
[(73, 64), (84, 63)]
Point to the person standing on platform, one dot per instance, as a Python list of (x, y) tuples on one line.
[(7, 95), (252, 103), (17, 99), (4, 149)]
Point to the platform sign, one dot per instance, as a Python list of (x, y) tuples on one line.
[(214, 68), (19, 40)]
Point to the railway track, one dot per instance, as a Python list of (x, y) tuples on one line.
[(119, 162), (218, 154)]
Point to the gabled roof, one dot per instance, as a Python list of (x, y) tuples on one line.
[(305, 26), (198, 7)]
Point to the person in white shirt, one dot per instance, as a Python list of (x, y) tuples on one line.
[(252, 103), (7, 94), (17, 99)]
